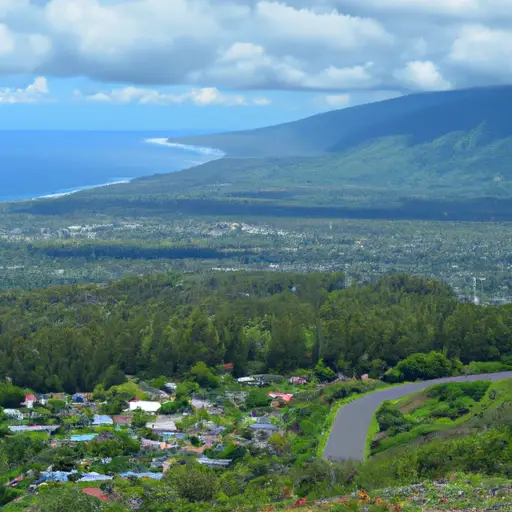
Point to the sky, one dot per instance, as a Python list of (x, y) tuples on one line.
[(234, 64)]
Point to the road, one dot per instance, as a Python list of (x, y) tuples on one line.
[(347, 439)]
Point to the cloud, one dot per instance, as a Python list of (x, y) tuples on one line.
[(337, 100), (33, 93), (483, 50), (422, 76), (203, 97), (336, 46)]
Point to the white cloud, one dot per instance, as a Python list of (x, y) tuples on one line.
[(325, 45), (206, 96), (484, 50), (337, 100), (332, 28), (422, 76), (33, 93)]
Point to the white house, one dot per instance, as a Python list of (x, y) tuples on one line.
[(144, 406), (14, 414)]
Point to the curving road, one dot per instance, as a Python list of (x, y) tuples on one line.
[(347, 439)]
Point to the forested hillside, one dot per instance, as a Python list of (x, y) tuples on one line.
[(65, 338), (442, 156)]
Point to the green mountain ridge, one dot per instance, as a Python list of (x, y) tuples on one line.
[(443, 155)]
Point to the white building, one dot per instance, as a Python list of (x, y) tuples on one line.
[(145, 406)]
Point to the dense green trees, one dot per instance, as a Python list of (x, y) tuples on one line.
[(72, 338)]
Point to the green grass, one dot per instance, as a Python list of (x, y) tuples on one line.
[(497, 398), (372, 432)]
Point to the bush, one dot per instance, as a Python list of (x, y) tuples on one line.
[(390, 418), (324, 373), (477, 368), (453, 390), (420, 367), (257, 398), (179, 405), (193, 482), (11, 396), (113, 377), (204, 376)]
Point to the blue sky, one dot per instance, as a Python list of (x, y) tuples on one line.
[(233, 64)]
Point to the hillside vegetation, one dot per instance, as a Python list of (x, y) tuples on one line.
[(442, 411), (439, 156)]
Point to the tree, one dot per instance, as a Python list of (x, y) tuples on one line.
[(193, 482), (421, 366), (257, 398), (113, 377), (11, 396), (66, 500), (204, 376), (324, 373)]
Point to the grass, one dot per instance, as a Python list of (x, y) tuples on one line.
[(372, 432), (420, 408)]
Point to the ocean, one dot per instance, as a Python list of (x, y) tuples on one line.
[(36, 164)]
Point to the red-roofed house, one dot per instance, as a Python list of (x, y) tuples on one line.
[(30, 400), (228, 367), (287, 397), (95, 493)]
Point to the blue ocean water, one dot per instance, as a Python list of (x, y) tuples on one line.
[(40, 163)]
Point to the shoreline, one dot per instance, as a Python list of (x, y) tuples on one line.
[(203, 150), (213, 153), (74, 191)]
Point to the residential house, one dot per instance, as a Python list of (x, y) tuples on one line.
[(148, 444), (94, 477), (297, 381), (171, 386), (144, 405), (162, 424), (228, 367), (16, 429), (200, 404), (152, 476), (286, 397), (264, 425), (30, 401), (122, 421), (100, 420), (95, 493), (56, 476), (14, 414), (105, 436), (212, 463)]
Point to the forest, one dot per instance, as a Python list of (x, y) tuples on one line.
[(65, 338)]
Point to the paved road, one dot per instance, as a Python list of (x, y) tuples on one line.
[(348, 434)]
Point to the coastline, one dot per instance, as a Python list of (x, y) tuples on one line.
[(196, 149), (74, 191), (203, 155)]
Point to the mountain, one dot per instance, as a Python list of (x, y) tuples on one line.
[(418, 117), (442, 155)]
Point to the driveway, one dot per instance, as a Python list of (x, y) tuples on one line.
[(347, 439)]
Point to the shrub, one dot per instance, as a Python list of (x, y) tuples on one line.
[(204, 376), (193, 482), (257, 398), (420, 367), (324, 373), (390, 418)]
